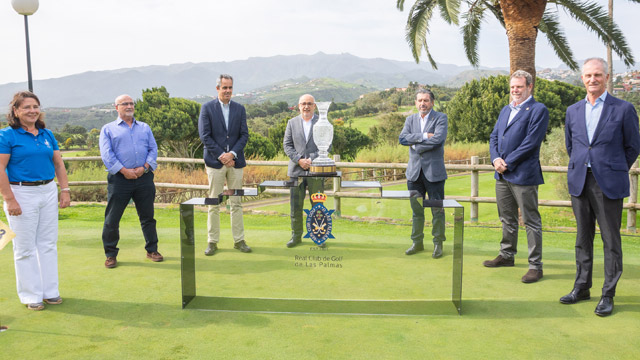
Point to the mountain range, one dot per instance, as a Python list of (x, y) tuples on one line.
[(191, 80), (256, 74)]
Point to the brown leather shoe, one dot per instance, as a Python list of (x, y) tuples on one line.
[(532, 276), (498, 262), (111, 262), (155, 256)]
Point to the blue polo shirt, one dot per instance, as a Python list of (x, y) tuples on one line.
[(31, 156)]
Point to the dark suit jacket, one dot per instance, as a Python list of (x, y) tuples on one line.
[(428, 155), (612, 151), (296, 147), (518, 143), (215, 136)]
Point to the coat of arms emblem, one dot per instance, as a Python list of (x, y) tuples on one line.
[(319, 224)]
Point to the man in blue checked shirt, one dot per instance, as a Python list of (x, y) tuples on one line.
[(129, 152)]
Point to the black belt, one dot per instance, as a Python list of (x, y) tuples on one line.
[(30, 183)]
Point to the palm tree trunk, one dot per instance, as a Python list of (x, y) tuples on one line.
[(521, 18)]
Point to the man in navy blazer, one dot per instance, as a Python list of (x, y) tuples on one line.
[(425, 133), (602, 139), (223, 130), (515, 154)]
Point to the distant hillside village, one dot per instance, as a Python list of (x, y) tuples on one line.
[(622, 82)]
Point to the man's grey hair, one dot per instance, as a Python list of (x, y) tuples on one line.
[(120, 98), (223, 76), (426, 91), (523, 74), (603, 62)]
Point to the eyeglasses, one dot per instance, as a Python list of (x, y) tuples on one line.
[(307, 104), (126, 104)]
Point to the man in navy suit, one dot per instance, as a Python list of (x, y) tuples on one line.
[(515, 154), (602, 139), (223, 130), (425, 133)]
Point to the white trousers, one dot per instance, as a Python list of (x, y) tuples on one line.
[(34, 248)]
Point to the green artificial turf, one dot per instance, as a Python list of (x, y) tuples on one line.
[(134, 311)]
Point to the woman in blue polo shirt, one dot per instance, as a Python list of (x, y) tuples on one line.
[(29, 160)]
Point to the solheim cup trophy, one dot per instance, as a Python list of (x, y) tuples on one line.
[(323, 136)]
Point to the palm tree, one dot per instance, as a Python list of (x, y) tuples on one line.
[(521, 19), (609, 57)]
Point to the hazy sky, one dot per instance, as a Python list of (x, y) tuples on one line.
[(73, 36)]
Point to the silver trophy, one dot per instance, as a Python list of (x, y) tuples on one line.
[(323, 137)]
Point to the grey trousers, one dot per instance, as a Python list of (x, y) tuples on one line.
[(510, 197), (590, 206)]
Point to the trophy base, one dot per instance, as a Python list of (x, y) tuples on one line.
[(326, 170)]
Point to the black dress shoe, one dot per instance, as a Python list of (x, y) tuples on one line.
[(415, 247), (211, 249), (437, 250), (293, 243), (605, 306), (242, 246), (576, 295)]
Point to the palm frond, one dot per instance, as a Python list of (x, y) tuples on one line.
[(494, 7), (418, 27), (471, 33), (595, 18), (450, 10), (550, 26), (400, 5)]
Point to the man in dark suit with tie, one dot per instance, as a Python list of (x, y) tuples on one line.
[(425, 133), (223, 130), (515, 154), (299, 146), (602, 139)]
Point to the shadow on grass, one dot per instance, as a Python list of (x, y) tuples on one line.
[(147, 315)]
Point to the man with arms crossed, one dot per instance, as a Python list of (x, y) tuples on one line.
[(424, 133), (301, 149), (602, 139), (129, 152), (515, 154), (223, 130)]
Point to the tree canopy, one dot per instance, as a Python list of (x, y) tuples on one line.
[(174, 122), (474, 109), (521, 20)]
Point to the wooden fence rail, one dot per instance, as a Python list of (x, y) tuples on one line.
[(397, 172)]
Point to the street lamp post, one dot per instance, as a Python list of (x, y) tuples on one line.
[(26, 8)]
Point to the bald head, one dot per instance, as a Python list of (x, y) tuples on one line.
[(307, 105), (124, 107)]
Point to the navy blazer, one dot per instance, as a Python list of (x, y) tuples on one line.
[(612, 151), (215, 136), (518, 143)]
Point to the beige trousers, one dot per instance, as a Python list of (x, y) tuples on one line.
[(217, 178)]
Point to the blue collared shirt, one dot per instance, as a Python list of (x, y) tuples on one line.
[(515, 109), (592, 114), (225, 112), (128, 147), (31, 156)]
